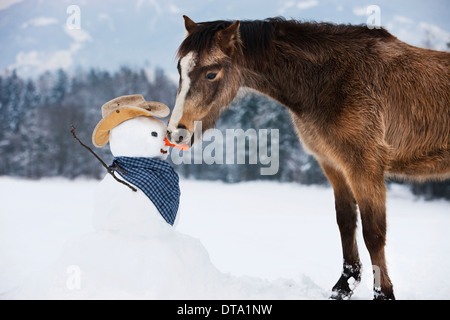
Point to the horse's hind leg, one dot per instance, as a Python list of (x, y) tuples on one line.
[(346, 216)]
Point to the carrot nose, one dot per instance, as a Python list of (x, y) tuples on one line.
[(183, 147)]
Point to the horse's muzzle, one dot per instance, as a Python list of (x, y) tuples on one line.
[(179, 136)]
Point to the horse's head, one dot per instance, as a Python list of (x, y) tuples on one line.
[(209, 77)]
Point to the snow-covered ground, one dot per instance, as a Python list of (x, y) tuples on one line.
[(256, 240)]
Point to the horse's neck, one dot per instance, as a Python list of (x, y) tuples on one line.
[(304, 61), (289, 82)]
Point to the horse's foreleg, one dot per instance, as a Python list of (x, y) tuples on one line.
[(370, 192), (346, 216)]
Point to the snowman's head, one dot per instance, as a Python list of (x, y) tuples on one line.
[(139, 137)]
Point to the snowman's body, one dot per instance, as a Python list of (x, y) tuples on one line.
[(118, 209)]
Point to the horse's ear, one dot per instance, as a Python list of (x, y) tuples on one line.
[(189, 24), (228, 38)]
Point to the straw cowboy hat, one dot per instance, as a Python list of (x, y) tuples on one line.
[(123, 108)]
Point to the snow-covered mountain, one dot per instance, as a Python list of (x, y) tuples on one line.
[(36, 35)]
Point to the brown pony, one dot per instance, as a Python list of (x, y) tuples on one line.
[(364, 103)]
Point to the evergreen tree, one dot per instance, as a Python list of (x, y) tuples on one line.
[(30, 132), (60, 87), (3, 101), (162, 89), (12, 105)]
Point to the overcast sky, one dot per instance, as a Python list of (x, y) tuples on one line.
[(34, 36)]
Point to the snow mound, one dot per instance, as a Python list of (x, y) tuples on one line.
[(104, 265)]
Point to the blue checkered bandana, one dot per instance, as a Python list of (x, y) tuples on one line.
[(156, 178)]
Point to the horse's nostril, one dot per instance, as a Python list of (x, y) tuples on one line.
[(168, 134), (180, 139), (181, 126)]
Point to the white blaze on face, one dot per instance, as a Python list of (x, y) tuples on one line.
[(187, 63)]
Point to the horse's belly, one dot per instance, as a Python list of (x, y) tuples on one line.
[(415, 154), (419, 145), (428, 165)]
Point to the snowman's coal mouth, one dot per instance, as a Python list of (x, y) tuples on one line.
[(163, 151)]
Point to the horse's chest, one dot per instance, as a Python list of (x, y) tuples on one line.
[(312, 136)]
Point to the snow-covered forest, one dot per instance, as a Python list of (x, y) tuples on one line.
[(35, 118), (36, 114)]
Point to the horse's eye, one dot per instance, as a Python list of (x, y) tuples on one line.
[(211, 76), (154, 134)]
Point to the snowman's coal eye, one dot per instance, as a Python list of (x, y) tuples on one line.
[(154, 134)]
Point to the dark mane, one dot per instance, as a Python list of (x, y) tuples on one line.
[(257, 35), (254, 34)]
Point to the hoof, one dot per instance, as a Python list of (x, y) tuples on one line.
[(343, 289), (378, 294), (341, 295), (349, 280)]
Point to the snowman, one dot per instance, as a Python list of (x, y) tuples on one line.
[(137, 141), (135, 251)]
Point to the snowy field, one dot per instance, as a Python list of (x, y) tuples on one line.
[(254, 240)]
